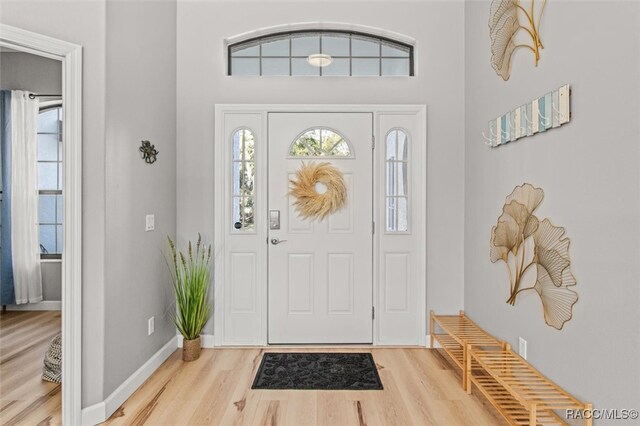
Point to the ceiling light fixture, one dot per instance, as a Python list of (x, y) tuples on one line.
[(319, 60)]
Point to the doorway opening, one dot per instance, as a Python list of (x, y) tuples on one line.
[(51, 134)]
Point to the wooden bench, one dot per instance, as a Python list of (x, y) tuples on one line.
[(517, 390), (459, 334)]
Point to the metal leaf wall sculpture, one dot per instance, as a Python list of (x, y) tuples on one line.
[(536, 254), (504, 24)]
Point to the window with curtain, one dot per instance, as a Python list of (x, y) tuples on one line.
[(397, 181), (50, 180), (320, 53)]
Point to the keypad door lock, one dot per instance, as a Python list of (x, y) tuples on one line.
[(274, 219)]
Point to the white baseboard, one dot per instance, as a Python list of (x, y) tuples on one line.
[(101, 411), (94, 414), (436, 345), (206, 341), (45, 305)]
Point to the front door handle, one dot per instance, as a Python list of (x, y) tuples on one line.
[(276, 241)]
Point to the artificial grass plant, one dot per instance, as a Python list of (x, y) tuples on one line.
[(190, 276)]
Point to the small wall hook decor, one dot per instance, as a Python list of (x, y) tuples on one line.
[(547, 112), (559, 116), (544, 120), (491, 141), (149, 152)]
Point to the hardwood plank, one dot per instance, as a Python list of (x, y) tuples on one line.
[(270, 413), (302, 409), (333, 408), (24, 398), (244, 402)]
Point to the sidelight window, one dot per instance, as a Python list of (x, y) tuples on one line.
[(397, 180), (243, 180)]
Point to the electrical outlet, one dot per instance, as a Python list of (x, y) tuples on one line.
[(522, 347), (151, 325), (150, 223)]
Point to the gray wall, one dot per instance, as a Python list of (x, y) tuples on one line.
[(589, 172), (438, 28), (141, 99), (52, 280), (23, 71), (82, 22)]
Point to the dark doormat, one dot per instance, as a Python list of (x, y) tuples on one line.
[(317, 371)]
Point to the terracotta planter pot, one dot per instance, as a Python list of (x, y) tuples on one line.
[(191, 349)]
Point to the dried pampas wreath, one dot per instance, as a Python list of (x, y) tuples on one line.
[(308, 202)]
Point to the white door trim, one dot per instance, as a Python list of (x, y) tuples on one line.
[(71, 57), (259, 114)]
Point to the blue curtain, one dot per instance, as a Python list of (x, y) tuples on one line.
[(7, 292)]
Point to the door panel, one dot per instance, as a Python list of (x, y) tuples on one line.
[(340, 283), (320, 278)]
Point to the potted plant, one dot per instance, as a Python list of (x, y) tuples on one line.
[(190, 277)]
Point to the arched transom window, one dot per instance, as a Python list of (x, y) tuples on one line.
[(320, 142), (321, 53)]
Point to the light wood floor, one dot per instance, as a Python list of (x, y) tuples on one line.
[(420, 388), (24, 398)]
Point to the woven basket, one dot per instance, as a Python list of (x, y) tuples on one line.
[(191, 349), (52, 371)]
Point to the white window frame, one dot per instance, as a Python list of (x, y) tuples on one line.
[(322, 26), (409, 183), (44, 107), (351, 156), (254, 195)]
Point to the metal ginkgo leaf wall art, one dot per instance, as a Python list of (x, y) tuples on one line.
[(536, 253), (506, 19)]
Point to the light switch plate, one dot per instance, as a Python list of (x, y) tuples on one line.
[(522, 347), (151, 326), (150, 222)]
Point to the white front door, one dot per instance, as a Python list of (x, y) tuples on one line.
[(320, 271)]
